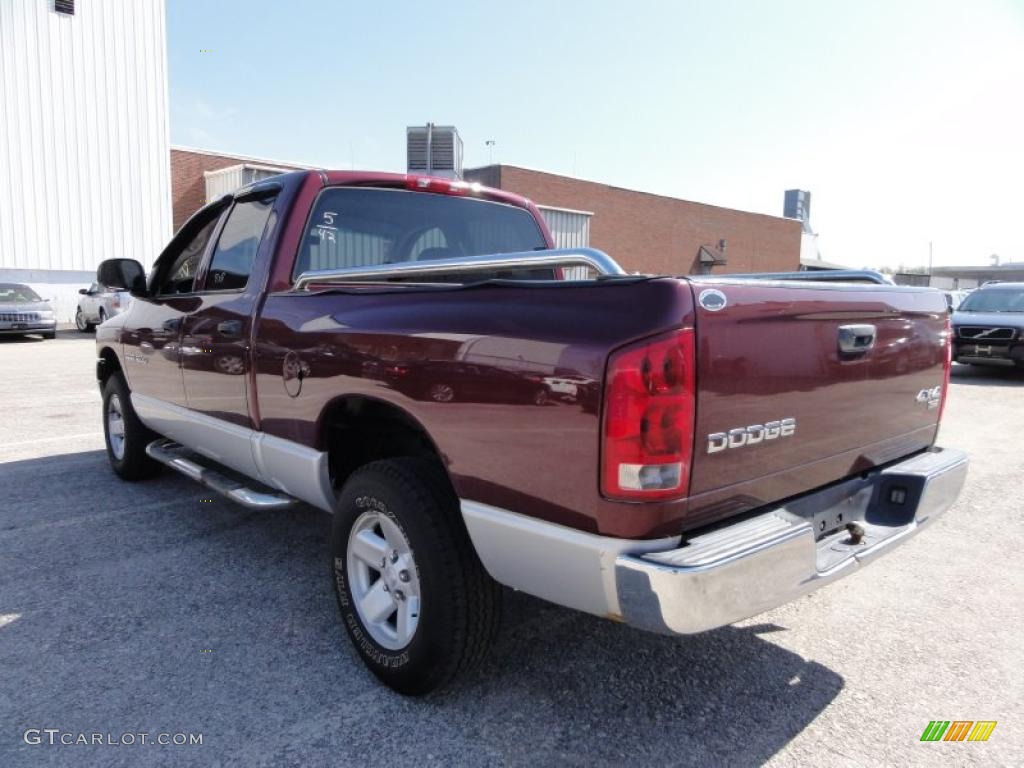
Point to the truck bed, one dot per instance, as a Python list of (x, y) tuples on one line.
[(770, 354)]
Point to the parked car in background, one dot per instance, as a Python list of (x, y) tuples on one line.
[(954, 298), (988, 326), (99, 303), (22, 311)]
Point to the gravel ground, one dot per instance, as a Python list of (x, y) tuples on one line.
[(150, 608)]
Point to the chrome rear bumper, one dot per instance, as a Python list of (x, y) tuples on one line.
[(743, 569)]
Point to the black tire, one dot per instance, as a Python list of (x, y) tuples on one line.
[(133, 463), (50, 335), (460, 605), (81, 323)]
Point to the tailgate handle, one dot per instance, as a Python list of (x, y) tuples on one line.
[(856, 339)]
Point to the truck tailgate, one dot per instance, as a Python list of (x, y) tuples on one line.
[(781, 409)]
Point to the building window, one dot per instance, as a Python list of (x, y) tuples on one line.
[(64, 6)]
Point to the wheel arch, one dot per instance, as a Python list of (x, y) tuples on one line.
[(107, 364), (356, 430)]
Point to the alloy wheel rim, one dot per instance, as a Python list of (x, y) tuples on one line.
[(383, 580), (79, 320), (442, 393), (115, 427)]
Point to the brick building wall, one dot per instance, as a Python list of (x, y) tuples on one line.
[(652, 233), (188, 185)]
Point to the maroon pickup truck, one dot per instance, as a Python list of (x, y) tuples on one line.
[(476, 408)]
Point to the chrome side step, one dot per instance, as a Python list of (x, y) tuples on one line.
[(169, 453)]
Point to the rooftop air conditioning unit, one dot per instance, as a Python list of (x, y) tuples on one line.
[(434, 150)]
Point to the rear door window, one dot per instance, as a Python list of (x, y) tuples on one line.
[(237, 245), (353, 227)]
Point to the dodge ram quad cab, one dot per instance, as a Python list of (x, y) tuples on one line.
[(477, 408)]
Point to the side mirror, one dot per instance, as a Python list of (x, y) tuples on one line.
[(122, 274), (84, 291)]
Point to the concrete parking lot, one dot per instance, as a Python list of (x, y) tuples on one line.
[(156, 608)]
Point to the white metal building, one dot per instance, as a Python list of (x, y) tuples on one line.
[(84, 146)]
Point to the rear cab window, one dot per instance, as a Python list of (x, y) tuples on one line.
[(359, 227)]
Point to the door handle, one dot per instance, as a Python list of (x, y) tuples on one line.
[(856, 339), (229, 327)]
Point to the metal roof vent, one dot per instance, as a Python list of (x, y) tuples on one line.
[(435, 150), (797, 205)]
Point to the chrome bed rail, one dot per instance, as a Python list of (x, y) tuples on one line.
[(601, 262)]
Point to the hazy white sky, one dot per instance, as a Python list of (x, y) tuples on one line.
[(904, 119)]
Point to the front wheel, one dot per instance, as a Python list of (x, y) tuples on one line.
[(415, 599), (125, 435)]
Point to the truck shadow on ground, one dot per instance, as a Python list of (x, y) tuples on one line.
[(586, 685), (154, 607)]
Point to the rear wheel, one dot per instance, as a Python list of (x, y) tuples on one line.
[(415, 599), (50, 335), (81, 323), (441, 392), (125, 435)]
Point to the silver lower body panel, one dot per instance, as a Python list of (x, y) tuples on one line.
[(732, 572), (296, 469)]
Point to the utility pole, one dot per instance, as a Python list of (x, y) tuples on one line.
[(929, 260), (490, 151)]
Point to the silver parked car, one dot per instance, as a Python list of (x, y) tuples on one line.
[(99, 303), (22, 312)]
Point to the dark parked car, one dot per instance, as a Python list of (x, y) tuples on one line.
[(22, 311), (988, 326)]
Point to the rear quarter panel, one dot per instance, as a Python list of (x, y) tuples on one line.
[(499, 446)]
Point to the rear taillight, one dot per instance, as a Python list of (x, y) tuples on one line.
[(948, 364), (648, 419)]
